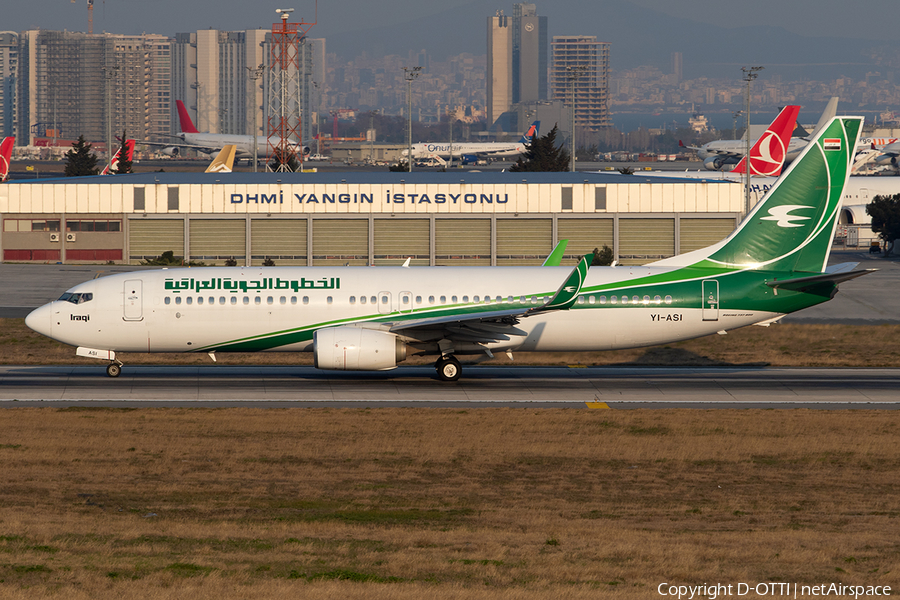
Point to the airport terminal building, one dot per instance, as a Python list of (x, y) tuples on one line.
[(359, 218)]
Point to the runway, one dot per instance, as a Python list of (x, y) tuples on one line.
[(481, 386)]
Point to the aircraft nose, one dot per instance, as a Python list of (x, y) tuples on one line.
[(40, 320)]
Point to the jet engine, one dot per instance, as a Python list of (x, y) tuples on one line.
[(715, 163), (357, 349), (887, 159), (171, 151)]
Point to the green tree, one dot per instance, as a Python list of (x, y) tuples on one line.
[(885, 213), (542, 154), (602, 258), (124, 165), (80, 161)]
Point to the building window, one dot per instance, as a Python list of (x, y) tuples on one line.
[(600, 198), (173, 198), (140, 202), (567, 198)]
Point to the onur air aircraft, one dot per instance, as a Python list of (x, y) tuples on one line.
[(475, 149), (372, 318), (210, 143)]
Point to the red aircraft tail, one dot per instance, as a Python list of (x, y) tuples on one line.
[(187, 126), (6, 157), (114, 163), (768, 153)]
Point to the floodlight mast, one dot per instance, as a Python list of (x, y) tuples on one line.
[(750, 73)]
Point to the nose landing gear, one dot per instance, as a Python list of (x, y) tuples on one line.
[(114, 369)]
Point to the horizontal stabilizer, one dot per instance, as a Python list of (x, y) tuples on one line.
[(802, 284)]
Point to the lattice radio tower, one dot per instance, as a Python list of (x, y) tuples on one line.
[(284, 115)]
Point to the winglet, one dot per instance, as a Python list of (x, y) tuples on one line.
[(555, 257), (568, 292), (224, 161)]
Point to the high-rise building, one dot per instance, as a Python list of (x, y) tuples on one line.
[(529, 54), (678, 66), (73, 84), (581, 65), (9, 63), (210, 74), (499, 66)]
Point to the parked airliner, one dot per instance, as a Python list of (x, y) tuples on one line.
[(475, 150), (372, 318)]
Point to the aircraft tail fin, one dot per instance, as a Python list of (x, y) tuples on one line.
[(6, 148), (828, 114), (224, 161), (768, 153), (114, 161), (792, 227), (531, 133), (187, 126)]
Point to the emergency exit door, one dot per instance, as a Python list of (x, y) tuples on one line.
[(710, 300), (134, 310)]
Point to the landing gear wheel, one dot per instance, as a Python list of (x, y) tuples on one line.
[(113, 369), (448, 368)]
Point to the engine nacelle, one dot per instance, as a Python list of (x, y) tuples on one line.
[(357, 349), (715, 163), (171, 151), (887, 159)]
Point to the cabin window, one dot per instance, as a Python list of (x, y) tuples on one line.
[(635, 299), (430, 299), (476, 298), (646, 300), (352, 299), (580, 299), (657, 299), (293, 299), (282, 300), (374, 300), (384, 300), (270, 300), (257, 300), (362, 299), (404, 299), (329, 300), (453, 299), (614, 300), (509, 298), (668, 299), (487, 299), (602, 299), (443, 299), (246, 299), (534, 299), (465, 298), (590, 299), (167, 300), (418, 299), (624, 299), (177, 299), (305, 299), (222, 299), (200, 300)]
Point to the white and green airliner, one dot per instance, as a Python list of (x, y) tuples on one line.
[(372, 318)]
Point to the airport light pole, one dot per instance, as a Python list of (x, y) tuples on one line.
[(573, 74), (108, 73), (254, 73), (409, 74), (750, 73)]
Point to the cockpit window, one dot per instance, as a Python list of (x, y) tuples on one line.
[(76, 298)]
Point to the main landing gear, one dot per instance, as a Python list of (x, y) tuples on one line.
[(448, 368), (114, 369)]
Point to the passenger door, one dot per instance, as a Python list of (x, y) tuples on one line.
[(133, 305)]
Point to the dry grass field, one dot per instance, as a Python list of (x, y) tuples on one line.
[(778, 345), (441, 503)]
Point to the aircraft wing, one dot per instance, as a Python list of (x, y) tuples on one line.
[(482, 325), (203, 149)]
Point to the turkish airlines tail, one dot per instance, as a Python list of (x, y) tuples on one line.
[(187, 126), (114, 163), (768, 153), (6, 157)]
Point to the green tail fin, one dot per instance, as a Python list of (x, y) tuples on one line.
[(792, 228)]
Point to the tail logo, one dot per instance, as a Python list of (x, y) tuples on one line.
[(771, 155), (831, 143), (782, 215)]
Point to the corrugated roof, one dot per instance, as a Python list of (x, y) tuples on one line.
[(362, 177)]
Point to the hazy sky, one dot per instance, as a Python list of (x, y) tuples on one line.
[(842, 18)]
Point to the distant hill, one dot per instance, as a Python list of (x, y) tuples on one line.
[(638, 37)]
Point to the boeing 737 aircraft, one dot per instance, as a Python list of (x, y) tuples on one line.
[(475, 149), (210, 143), (371, 318), (6, 157)]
